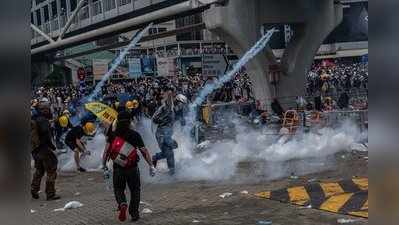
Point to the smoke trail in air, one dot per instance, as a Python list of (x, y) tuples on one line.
[(209, 88), (117, 62)]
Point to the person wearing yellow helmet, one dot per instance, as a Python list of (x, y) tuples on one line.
[(74, 141), (61, 125), (132, 107)]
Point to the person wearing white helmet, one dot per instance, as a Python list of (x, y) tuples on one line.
[(180, 107)]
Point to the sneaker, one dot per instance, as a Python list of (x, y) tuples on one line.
[(53, 197), (35, 195), (122, 212), (82, 170)]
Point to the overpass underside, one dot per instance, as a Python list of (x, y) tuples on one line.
[(238, 23)]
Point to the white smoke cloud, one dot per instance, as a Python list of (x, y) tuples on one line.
[(269, 156)]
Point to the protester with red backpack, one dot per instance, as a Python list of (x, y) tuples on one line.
[(122, 148)]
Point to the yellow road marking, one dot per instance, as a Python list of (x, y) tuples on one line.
[(298, 195), (363, 183), (334, 203), (360, 213), (265, 194), (331, 189), (365, 206)]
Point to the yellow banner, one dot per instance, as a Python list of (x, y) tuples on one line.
[(102, 111)]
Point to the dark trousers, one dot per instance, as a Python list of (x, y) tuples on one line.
[(45, 162), (131, 177)]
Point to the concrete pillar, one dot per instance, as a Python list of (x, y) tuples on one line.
[(322, 17), (237, 24)]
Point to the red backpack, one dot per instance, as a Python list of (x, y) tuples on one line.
[(123, 153)]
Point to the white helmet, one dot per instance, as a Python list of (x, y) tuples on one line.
[(181, 98)]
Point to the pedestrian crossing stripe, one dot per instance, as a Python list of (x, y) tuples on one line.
[(344, 197)]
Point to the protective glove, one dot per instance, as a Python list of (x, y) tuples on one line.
[(152, 171)]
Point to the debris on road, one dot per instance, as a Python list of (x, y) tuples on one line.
[(147, 210), (346, 221), (73, 205), (226, 195), (294, 177), (69, 205), (77, 193), (33, 211), (245, 192), (264, 222), (306, 207), (196, 221)]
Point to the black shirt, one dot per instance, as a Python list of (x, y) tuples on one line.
[(131, 136), (74, 133)]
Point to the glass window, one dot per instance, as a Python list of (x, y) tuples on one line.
[(74, 4), (46, 13), (54, 9), (63, 6), (38, 17)]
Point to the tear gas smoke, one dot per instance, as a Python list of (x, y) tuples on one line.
[(268, 155)]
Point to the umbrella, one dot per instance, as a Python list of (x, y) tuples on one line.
[(103, 112)]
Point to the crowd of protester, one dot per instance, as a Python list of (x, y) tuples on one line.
[(331, 85), (147, 91), (329, 77), (338, 84)]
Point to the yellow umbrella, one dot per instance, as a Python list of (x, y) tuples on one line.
[(102, 111)]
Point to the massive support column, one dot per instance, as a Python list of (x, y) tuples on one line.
[(321, 18), (237, 24)]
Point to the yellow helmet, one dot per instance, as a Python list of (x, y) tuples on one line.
[(132, 104), (63, 120), (89, 128)]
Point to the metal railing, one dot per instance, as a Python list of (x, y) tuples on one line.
[(63, 20), (124, 2), (54, 24), (84, 13), (46, 27), (97, 8), (109, 5)]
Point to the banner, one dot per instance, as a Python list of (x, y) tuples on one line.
[(100, 68), (135, 67), (166, 66), (103, 112), (148, 64)]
